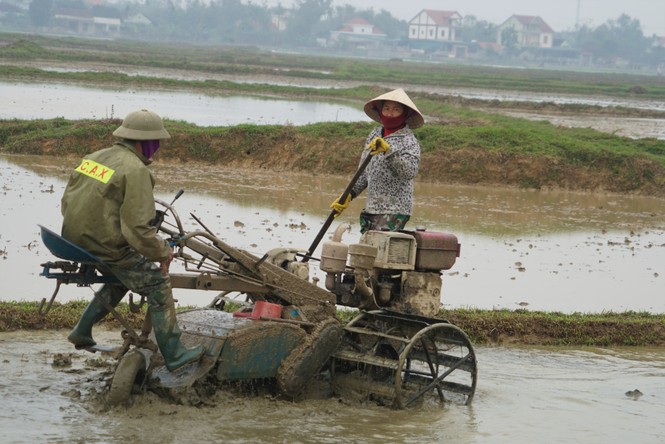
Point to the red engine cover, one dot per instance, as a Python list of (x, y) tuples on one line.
[(436, 251)]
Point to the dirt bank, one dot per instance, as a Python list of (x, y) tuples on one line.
[(333, 149)]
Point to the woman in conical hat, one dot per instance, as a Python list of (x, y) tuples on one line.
[(412, 116), (390, 173)]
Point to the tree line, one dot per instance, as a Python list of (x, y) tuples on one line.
[(309, 22)]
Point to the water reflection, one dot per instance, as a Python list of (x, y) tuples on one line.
[(46, 101), (555, 251), (510, 211)]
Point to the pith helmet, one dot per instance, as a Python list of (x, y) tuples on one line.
[(415, 119), (142, 125)]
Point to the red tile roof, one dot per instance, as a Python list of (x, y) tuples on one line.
[(440, 17), (533, 19)]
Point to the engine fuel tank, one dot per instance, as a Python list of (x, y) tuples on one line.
[(435, 251)]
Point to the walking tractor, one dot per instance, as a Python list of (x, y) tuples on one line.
[(396, 351)]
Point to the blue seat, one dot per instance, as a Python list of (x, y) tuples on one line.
[(64, 249), (81, 268)]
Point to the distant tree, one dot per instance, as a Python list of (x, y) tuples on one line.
[(106, 11), (478, 30), (41, 12), (70, 4), (622, 37), (228, 21), (509, 39), (303, 24), (394, 28), (340, 15)]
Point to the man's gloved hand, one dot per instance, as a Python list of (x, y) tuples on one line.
[(338, 206), (158, 219), (377, 145)]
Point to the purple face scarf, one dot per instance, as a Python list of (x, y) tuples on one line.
[(149, 148)]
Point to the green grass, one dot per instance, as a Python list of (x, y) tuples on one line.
[(554, 328), (482, 148), (582, 146), (482, 326)]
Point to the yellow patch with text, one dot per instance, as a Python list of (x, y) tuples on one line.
[(95, 170)]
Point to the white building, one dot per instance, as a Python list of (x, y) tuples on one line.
[(435, 25)]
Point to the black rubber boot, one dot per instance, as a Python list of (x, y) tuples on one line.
[(167, 334), (81, 335)]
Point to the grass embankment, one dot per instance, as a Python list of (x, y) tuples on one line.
[(464, 146), (482, 326)]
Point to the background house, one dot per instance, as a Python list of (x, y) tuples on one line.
[(137, 19), (84, 21), (358, 33), (529, 31), (435, 25), (437, 33), (9, 9), (74, 20)]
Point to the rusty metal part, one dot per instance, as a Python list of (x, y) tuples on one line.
[(262, 274)]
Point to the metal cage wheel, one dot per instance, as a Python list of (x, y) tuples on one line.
[(440, 359)]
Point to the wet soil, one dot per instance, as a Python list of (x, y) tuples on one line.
[(52, 393)]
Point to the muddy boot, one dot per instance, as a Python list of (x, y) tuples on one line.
[(167, 334), (81, 335)]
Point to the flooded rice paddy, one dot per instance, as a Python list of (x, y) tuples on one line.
[(520, 249), (47, 101), (285, 80), (534, 250), (553, 251)]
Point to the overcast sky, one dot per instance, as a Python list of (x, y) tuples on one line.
[(559, 14)]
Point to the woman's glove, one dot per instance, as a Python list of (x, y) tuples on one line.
[(338, 206), (377, 145)]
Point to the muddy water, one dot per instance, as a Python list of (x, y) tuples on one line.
[(554, 251), (524, 395), (520, 249)]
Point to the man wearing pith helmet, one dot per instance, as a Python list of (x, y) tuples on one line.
[(390, 173), (108, 208)]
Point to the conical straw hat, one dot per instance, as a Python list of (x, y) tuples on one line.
[(415, 120)]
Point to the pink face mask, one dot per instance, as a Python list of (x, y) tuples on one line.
[(149, 148)]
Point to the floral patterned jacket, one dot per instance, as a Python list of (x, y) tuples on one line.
[(389, 176)]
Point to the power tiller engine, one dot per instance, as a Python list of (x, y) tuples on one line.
[(400, 271)]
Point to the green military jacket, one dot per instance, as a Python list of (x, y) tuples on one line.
[(108, 205)]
